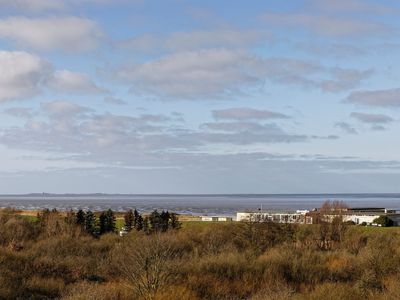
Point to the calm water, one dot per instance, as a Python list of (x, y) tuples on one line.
[(195, 204)]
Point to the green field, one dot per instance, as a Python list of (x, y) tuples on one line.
[(119, 223)]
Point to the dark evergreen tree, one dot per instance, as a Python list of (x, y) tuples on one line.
[(139, 223), (90, 222), (107, 222), (103, 223), (164, 220), (110, 221), (136, 217), (174, 222), (129, 218), (155, 221), (80, 217)]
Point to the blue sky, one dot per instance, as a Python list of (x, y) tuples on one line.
[(174, 96)]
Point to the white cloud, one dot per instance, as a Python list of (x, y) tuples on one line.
[(20, 112), (345, 6), (378, 98), (192, 74), (246, 113), (344, 79), (213, 73), (245, 133), (33, 6), (378, 128), (197, 39), (39, 6), (69, 34), (67, 127), (24, 75), (372, 118), (327, 25), (63, 109), (115, 101), (21, 75), (72, 82), (346, 127)]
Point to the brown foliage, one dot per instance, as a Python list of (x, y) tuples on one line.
[(219, 261)]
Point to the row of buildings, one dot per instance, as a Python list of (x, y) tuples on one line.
[(362, 215), (216, 219), (299, 217)]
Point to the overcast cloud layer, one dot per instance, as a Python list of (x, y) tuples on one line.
[(199, 97)]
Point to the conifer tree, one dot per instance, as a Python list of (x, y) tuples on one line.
[(110, 221), (103, 223), (155, 221), (80, 217), (139, 223), (174, 222), (129, 218), (164, 220), (107, 222), (136, 217), (90, 222)]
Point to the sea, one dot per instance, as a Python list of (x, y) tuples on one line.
[(210, 205)]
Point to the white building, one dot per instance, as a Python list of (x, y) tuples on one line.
[(366, 215), (300, 217), (208, 219), (215, 219), (357, 215)]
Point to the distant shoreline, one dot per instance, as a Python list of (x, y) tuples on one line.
[(388, 194), (196, 205)]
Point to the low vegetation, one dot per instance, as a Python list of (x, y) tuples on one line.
[(80, 256)]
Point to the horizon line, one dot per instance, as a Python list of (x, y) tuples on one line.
[(196, 194)]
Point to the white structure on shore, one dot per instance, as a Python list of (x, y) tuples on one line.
[(365, 215), (216, 219), (300, 217)]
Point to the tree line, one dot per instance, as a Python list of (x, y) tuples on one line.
[(105, 222), (155, 222)]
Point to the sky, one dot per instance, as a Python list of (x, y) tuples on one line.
[(175, 96)]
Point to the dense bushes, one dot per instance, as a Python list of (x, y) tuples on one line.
[(53, 258), (384, 221)]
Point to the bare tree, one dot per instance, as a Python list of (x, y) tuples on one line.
[(146, 266), (332, 225)]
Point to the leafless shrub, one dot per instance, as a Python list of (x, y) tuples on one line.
[(146, 265)]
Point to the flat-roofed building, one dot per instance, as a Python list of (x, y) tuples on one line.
[(299, 217), (358, 215), (216, 219), (209, 219)]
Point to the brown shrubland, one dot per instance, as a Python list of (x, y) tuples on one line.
[(54, 259)]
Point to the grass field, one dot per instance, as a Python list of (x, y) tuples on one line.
[(120, 223), (376, 228)]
